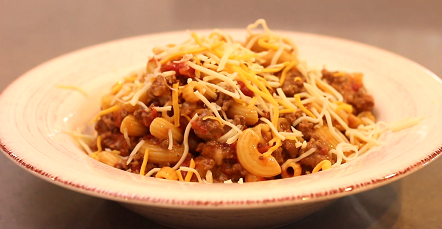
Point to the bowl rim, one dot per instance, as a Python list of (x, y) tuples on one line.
[(273, 202), (146, 200)]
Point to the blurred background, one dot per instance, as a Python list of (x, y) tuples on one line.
[(33, 32)]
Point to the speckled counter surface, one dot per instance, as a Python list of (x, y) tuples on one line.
[(32, 32)]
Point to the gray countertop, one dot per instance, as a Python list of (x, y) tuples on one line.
[(33, 32)]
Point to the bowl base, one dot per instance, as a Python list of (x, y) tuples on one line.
[(270, 217)]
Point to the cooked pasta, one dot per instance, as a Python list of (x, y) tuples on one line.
[(216, 110)]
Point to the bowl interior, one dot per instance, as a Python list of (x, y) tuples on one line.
[(36, 113)]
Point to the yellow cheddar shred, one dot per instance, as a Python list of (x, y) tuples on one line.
[(339, 74), (72, 87), (99, 148), (176, 105), (297, 79), (214, 118), (273, 148), (130, 78), (284, 103), (182, 53), (116, 88), (287, 111), (145, 159), (252, 103), (286, 70), (180, 176), (344, 106), (276, 69), (197, 39), (186, 116), (323, 165), (300, 105), (189, 173), (104, 112), (263, 43), (190, 51)]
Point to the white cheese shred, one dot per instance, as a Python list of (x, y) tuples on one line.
[(185, 142), (169, 132), (134, 151)]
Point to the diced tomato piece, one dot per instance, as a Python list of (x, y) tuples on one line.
[(180, 68), (245, 90)]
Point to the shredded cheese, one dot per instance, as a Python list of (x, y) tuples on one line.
[(403, 124), (126, 136), (215, 111), (273, 128), (145, 159), (323, 165), (134, 151), (344, 106), (209, 177), (163, 109), (185, 142), (152, 171), (180, 176), (254, 80), (176, 106), (190, 173), (198, 176), (300, 105), (169, 133), (104, 112), (72, 87), (273, 148), (139, 93)]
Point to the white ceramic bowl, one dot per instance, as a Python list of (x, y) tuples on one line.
[(35, 112)]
